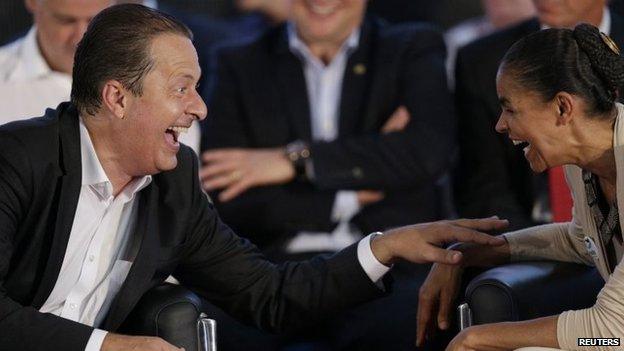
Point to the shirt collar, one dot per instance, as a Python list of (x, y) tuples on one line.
[(93, 174), (605, 23), (297, 46), (33, 65)]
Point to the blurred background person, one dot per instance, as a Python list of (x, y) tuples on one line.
[(493, 176), (275, 11), (498, 14), (35, 70), (331, 91), (324, 128)]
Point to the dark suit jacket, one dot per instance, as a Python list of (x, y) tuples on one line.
[(179, 232), (209, 31), (493, 177), (260, 100)]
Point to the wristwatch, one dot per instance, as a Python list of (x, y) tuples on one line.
[(298, 153)]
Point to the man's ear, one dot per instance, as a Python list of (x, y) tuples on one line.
[(115, 98), (566, 106)]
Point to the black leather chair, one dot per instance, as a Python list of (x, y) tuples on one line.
[(168, 311), (172, 312), (528, 290)]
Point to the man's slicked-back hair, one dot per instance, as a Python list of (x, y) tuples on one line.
[(116, 46)]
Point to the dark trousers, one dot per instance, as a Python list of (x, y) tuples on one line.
[(388, 323)]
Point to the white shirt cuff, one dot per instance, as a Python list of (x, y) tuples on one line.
[(374, 269), (346, 205), (96, 340)]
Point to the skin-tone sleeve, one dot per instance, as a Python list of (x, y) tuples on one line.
[(557, 242), (603, 320)]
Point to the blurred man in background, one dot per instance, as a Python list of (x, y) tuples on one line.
[(493, 176), (324, 128), (498, 14), (352, 105), (35, 70), (276, 11)]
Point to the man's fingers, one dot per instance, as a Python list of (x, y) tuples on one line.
[(452, 233), (397, 122), (216, 155), (234, 190), (220, 182), (216, 168), (492, 223), (469, 235), (435, 254)]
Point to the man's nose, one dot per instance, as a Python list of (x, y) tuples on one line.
[(198, 107)]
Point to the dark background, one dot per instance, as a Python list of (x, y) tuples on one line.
[(15, 20)]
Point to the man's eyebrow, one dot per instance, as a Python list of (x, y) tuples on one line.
[(182, 76), (64, 16)]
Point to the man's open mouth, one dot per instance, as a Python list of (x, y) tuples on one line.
[(172, 134)]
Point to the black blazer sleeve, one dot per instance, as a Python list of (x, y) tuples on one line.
[(24, 327), (230, 272), (410, 158), (283, 208), (483, 184)]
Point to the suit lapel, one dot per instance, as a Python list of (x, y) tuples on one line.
[(355, 82), (142, 270), (69, 192), (292, 88)]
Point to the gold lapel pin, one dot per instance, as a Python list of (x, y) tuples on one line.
[(359, 69)]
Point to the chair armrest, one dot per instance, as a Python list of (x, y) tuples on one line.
[(167, 311), (528, 290)]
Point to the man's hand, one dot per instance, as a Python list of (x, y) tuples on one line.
[(368, 197), (236, 170), (421, 243), (117, 342), (397, 122)]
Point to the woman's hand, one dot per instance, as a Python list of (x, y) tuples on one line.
[(435, 299), (464, 341), (506, 336)]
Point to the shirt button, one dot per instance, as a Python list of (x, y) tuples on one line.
[(91, 258), (72, 306)]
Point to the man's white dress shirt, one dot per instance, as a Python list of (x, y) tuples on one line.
[(324, 87), (99, 254), (28, 86), (100, 250)]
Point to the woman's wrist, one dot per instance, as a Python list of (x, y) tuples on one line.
[(475, 255)]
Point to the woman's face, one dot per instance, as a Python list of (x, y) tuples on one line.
[(530, 123)]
